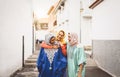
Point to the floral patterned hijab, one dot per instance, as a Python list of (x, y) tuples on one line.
[(74, 39)]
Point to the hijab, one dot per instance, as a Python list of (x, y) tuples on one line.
[(48, 38), (74, 39)]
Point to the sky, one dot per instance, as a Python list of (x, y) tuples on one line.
[(41, 7)]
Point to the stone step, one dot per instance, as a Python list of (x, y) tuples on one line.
[(31, 60), (36, 53), (28, 69), (31, 65), (33, 57), (27, 74), (88, 48)]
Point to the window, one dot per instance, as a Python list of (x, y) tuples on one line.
[(44, 26)]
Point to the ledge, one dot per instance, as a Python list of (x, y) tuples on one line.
[(95, 3)]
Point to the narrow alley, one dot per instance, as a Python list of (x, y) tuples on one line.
[(25, 23)]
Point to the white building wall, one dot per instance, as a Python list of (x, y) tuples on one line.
[(106, 36), (62, 18), (106, 20), (86, 31), (15, 21), (86, 22), (74, 16), (69, 17)]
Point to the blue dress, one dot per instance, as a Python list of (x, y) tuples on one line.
[(56, 68)]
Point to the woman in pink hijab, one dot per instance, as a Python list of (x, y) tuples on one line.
[(76, 57)]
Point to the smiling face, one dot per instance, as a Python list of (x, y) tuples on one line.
[(52, 40), (60, 35)]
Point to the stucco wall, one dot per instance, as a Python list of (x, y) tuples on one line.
[(106, 36), (107, 55), (15, 21)]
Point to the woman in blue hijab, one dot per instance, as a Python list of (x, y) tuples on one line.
[(51, 62)]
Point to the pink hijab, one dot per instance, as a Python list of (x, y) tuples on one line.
[(74, 39)]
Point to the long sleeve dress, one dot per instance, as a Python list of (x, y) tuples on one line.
[(75, 56), (51, 63)]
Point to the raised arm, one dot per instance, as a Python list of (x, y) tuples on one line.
[(44, 45)]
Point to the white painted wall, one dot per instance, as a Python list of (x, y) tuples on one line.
[(40, 34), (74, 16), (86, 31), (71, 13), (106, 54), (106, 36), (86, 24), (15, 21), (62, 17), (106, 22)]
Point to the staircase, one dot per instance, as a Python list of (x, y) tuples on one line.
[(31, 61), (29, 69)]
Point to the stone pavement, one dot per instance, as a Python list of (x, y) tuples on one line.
[(26, 72), (92, 69), (95, 72)]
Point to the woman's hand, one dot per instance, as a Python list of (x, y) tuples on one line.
[(55, 46), (79, 74), (80, 70)]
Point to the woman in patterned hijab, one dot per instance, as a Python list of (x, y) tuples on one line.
[(73, 39), (51, 62)]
